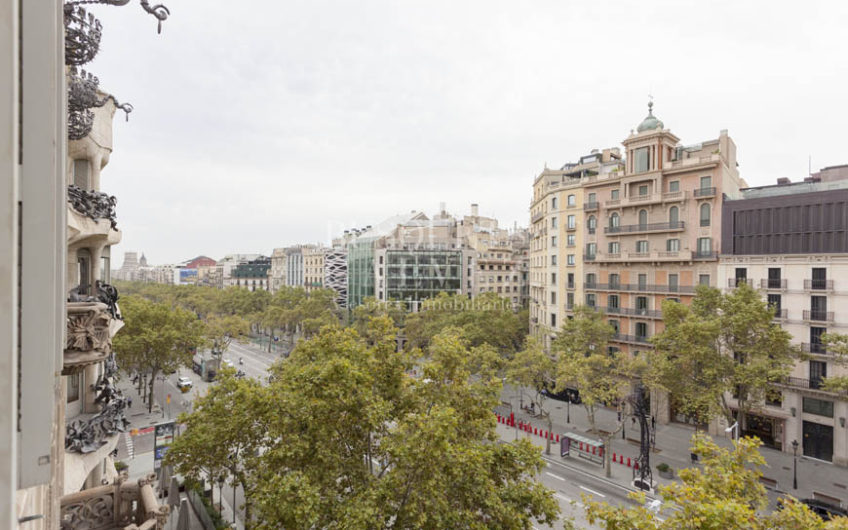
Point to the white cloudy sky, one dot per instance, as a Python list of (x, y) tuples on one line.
[(263, 123)]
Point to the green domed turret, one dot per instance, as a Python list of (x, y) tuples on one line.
[(650, 122)]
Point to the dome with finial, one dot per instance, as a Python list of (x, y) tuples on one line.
[(650, 122)]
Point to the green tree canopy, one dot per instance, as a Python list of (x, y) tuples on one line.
[(156, 338), (603, 377), (350, 440), (485, 319), (721, 346), (723, 494)]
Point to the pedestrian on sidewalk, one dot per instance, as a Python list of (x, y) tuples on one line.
[(129, 401)]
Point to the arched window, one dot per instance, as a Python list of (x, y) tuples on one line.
[(705, 214), (571, 200), (614, 220), (643, 217), (673, 215), (592, 223)]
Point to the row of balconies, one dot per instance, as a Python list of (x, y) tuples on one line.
[(810, 383), (781, 284), (654, 255), (638, 287), (631, 311), (649, 198), (674, 226)]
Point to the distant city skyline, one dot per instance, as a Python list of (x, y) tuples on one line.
[(328, 116)]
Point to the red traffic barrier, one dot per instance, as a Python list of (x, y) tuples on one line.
[(636, 466), (557, 439), (535, 431), (628, 461), (613, 457), (581, 446)]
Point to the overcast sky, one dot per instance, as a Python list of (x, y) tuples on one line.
[(260, 124)]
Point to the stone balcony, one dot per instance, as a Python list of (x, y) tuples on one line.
[(90, 328), (121, 505), (91, 218)]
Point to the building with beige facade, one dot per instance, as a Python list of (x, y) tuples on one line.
[(655, 230), (558, 236), (313, 267), (501, 257), (790, 241), (59, 412)]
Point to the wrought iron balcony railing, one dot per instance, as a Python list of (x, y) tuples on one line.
[(640, 287), (647, 227), (818, 316), (704, 192), (590, 206), (773, 283), (810, 383), (639, 339), (93, 204), (818, 285), (816, 348), (736, 282)]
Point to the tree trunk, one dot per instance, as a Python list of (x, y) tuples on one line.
[(152, 383), (607, 461), (270, 338), (548, 438), (144, 387)]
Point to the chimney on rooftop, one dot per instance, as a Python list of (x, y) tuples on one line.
[(474, 210), (783, 181)]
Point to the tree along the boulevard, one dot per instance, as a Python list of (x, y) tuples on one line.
[(371, 308), (722, 355), (223, 435), (534, 368), (156, 338), (837, 346), (350, 440), (723, 493), (603, 377), (484, 319), (222, 330)]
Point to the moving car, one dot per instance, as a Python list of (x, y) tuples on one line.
[(184, 384)]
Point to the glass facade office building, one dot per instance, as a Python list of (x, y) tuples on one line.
[(360, 271), (413, 276)]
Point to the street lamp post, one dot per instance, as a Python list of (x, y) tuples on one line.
[(795, 464), (568, 410)]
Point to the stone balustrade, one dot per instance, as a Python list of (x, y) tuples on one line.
[(122, 505)]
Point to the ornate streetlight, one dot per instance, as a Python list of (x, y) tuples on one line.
[(795, 464)]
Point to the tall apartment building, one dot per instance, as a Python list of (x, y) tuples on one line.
[(252, 275), (501, 257), (791, 242), (279, 269), (557, 237), (57, 428), (656, 228), (313, 267)]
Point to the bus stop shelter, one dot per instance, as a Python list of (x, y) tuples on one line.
[(575, 445)]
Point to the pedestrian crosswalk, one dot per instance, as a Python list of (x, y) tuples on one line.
[(129, 445)]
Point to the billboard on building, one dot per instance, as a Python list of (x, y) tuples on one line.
[(186, 276), (163, 437)]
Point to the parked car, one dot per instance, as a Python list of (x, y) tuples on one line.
[(567, 394), (823, 509), (184, 384)]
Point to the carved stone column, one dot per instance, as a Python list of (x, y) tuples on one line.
[(90, 375)]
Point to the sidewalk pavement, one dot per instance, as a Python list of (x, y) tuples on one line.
[(672, 447)]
